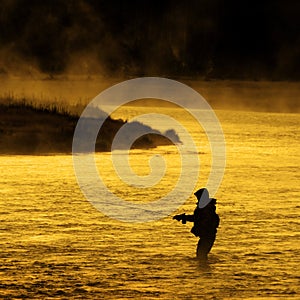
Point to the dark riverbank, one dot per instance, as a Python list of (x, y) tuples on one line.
[(26, 128)]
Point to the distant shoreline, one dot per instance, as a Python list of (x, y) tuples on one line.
[(29, 129), (261, 95)]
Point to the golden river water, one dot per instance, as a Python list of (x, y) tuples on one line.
[(55, 244)]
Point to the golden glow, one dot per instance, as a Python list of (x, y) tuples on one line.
[(54, 242)]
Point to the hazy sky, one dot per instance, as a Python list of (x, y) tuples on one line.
[(205, 38)]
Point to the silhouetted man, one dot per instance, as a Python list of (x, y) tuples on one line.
[(206, 222)]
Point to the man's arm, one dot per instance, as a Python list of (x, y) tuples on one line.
[(184, 218)]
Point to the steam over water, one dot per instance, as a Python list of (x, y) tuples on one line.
[(54, 243)]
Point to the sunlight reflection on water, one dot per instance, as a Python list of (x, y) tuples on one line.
[(54, 243)]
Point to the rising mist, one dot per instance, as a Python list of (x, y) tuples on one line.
[(208, 39)]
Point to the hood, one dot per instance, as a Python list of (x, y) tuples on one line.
[(203, 197)]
